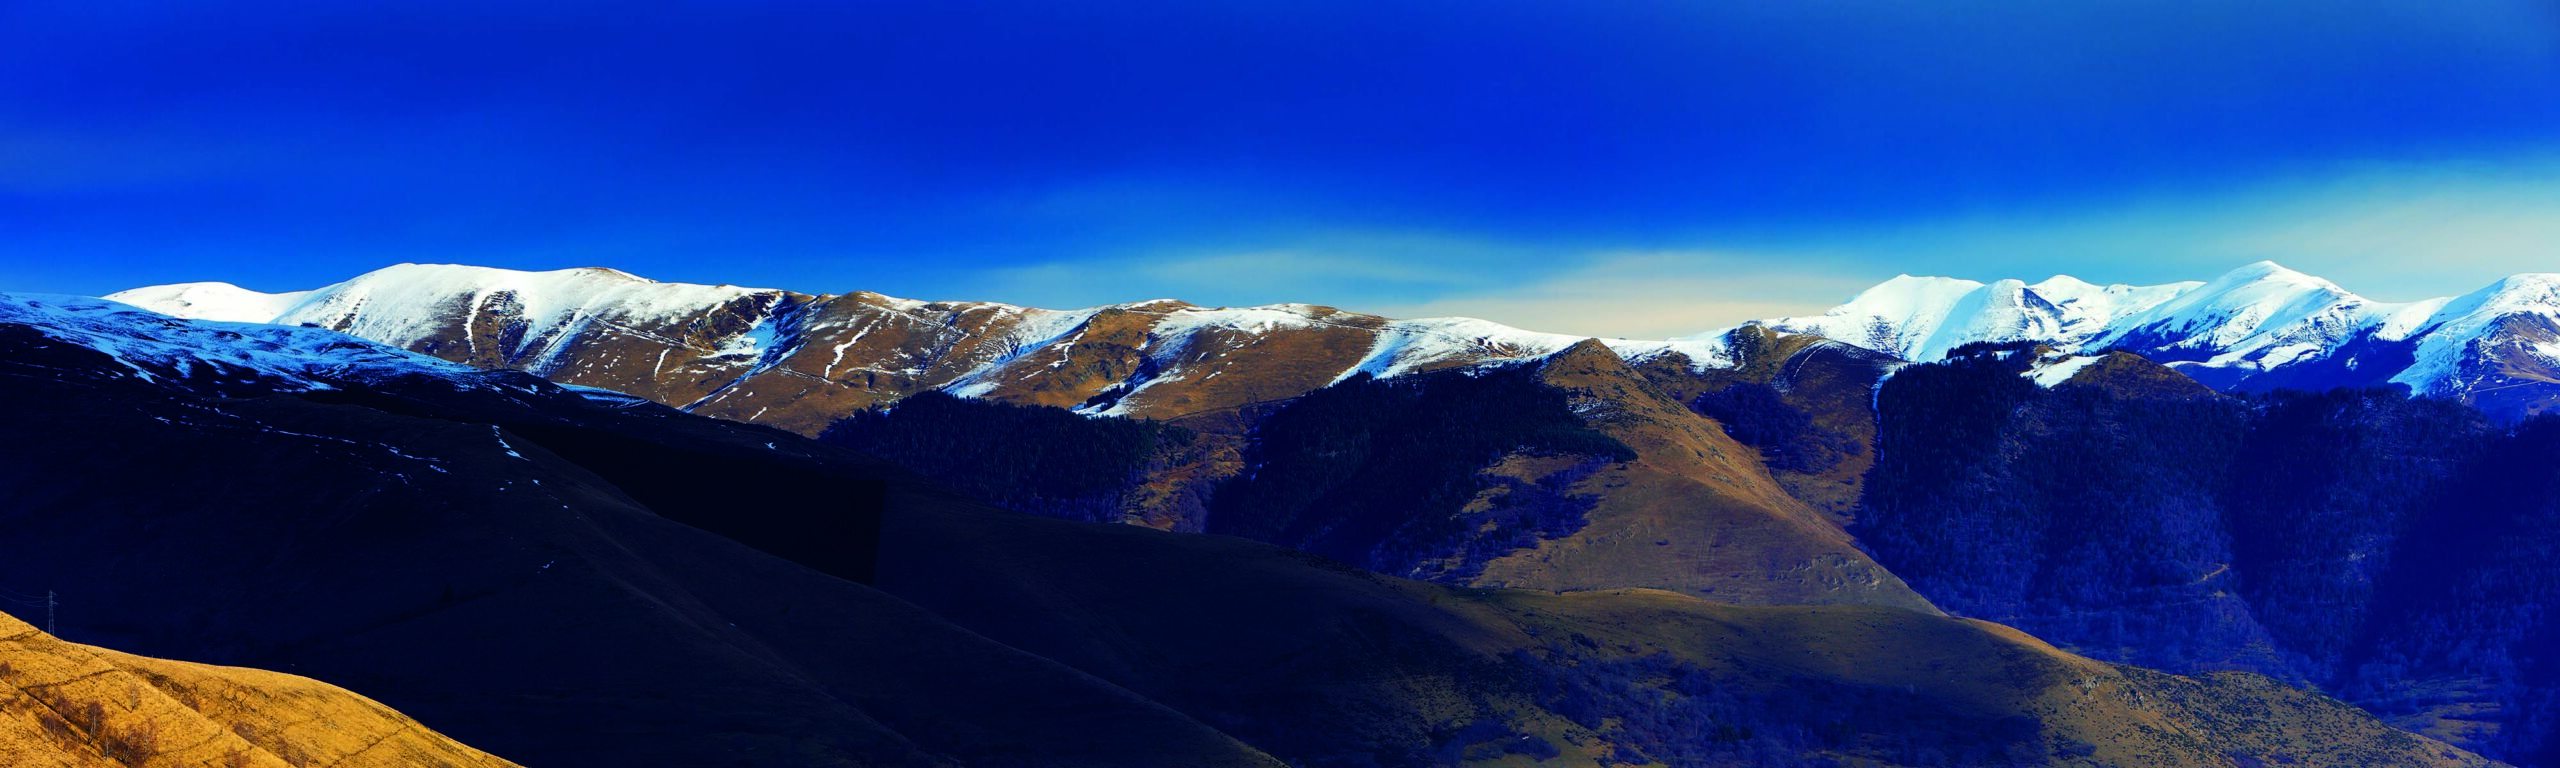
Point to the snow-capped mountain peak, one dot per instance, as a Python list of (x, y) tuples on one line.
[(222, 302), (2066, 286), (2258, 326), (2257, 307), (2498, 338), (1922, 318)]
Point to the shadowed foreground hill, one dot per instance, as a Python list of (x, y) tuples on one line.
[(1575, 472), (1329, 665), (2394, 550), (74, 706), (401, 534), (500, 558)]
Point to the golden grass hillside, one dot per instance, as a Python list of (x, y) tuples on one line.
[(76, 706)]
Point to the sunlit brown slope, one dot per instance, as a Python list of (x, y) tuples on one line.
[(2128, 376), (1830, 382), (1696, 512), (75, 706)]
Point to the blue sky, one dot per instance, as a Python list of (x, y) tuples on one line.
[(1597, 167)]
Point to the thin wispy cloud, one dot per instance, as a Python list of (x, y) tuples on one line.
[(2391, 230), (1339, 268), (2394, 231), (1647, 295), (1619, 293)]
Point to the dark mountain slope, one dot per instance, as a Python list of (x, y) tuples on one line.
[(469, 576), (1330, 665), (2463, 628), (1045, 461), (2068, 513), (2356, 540), (428, 552), (2323, 491), (1390, 475)]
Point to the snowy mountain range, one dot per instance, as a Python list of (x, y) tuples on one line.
[(2258, 327), (743, 353)]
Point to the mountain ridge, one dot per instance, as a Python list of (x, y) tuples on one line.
[(2260, 326), (979, 348)]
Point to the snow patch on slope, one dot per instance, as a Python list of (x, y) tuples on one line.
[(2053, 371), (1406, 346), (1704, 352), (1256, 321), (1032, 331), (154, 346)]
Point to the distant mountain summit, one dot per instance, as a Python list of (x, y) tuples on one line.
[(2258, 327), (1922, 318)]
